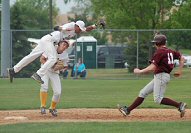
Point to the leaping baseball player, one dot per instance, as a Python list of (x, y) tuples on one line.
[(46, 45), (162, 64), (52, 75)]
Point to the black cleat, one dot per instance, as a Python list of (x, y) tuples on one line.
[(42, 110), (53, 112), (11, 74), (123, 110), (36, 77), (182, 109)]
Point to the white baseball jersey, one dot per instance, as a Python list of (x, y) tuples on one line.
[(53, 76), (68, 31), (46, 45)]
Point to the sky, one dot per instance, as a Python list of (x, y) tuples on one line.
[(64, 8)]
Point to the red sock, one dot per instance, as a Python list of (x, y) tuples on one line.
[(136, 103), (168, 101)]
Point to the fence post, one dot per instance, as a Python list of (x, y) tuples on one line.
[(5, 37), (137, 65)]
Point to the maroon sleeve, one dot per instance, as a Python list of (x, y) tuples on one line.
[(177, 55), (156, 58)]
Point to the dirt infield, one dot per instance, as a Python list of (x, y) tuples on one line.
[(92, 115)]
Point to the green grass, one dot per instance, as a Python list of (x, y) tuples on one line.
[(185, 51), (89, 93), (95, 127), (94, 93)]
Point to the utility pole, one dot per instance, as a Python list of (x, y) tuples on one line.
[(50, 14), (5, 37)]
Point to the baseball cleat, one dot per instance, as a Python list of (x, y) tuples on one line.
[(123, 110), (42, 110), (53, 112), (182, 109), (36, 77), (11, 74)]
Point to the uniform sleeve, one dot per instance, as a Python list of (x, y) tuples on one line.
[(156, 58), (66, 62), (177, 55), (63, 55), (68, 26), (45, 56)]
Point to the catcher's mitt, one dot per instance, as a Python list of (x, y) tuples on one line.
[(101, 24), (59, 65), (177, 74)]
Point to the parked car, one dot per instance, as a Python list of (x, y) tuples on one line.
[(186, 63), (110, 56)]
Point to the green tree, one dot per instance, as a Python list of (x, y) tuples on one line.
[(28, 15), (144, 14), (180, 19), (84, 12)]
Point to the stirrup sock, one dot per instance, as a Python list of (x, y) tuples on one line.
[(43, 98), (53, 105)]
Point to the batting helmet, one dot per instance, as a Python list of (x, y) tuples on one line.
[(159, 39)]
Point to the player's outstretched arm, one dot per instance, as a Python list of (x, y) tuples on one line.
[(100, 24), (181, 65), (150, 68)]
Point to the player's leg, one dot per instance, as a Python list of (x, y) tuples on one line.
[(35, 53), (50, 51), (83, 74), (138, 101), (161, 81), (56, 85), (44, 93)]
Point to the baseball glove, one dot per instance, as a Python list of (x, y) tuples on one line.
[(59, 65), (177, 74), (101, 24)]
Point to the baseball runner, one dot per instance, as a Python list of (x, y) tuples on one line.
[(53, 75), (162, 64), (46, 45)]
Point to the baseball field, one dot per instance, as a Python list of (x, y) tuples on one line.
[(90, 106)]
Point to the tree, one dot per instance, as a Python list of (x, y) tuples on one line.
[(180, 19), (144, 14), (84, 12), (28, 15)]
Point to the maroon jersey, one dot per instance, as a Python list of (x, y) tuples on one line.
[(163, 59)]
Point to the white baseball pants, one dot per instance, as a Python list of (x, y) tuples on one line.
[(157, 86), (46, 45), (55, 83)]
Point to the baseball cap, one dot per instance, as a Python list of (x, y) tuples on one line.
[(160, 39), (81, 25)]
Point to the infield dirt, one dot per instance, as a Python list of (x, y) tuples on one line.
[(92, 115)]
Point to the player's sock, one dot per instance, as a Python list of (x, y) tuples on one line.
[(168, 101), (53, 105), (43, 98), (136, 103)]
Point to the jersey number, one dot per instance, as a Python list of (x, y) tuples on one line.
[(170, 58)]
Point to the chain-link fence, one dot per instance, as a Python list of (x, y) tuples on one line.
[(110, 53)]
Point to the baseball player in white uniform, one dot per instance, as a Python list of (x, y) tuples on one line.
[(53, 77), (46, 45)]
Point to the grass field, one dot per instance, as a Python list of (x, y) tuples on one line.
[(24, 93), (95, 127), (93, 93)]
